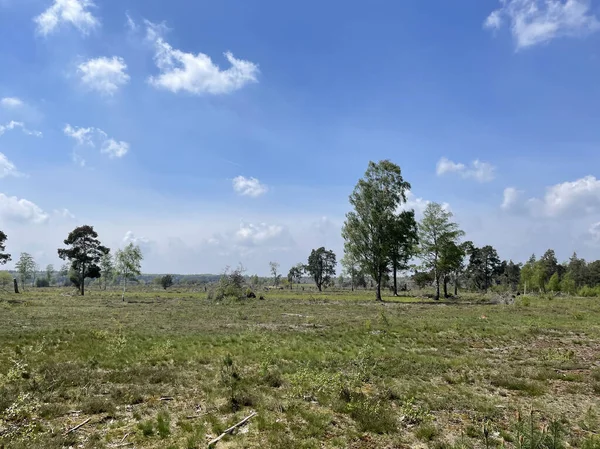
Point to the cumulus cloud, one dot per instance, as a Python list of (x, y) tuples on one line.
[(104, 75), (21, 210), (579, 197), (249, 186), (64, 213), (95, 137), (20, 125), (7, 168), (534, 22), (72, 12), (11, 102), (196, 73), (262, 234), (478, 170), (511, 198), (418, 204)]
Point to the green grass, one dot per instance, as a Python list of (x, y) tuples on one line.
[(337, 369)]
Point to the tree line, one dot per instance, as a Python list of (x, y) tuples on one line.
[(86, 258)]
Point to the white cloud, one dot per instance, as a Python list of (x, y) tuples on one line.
[(64, 213), (196, 73), (11, 102), (74, 12), (249, 235), (95, 137), (478, 170), (534, 22), (14, 125), (572, 198), (131, 23), (581, 196), (249, 186), (83, 136), (594, 232), (7, 168), (115, 149), (511, 198), (21, 210), (418, 204), (105, 75)]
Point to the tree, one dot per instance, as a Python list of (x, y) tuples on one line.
[(577, 268), (84, 254), (423, 278), (321, 266), (6, 279), (567, 284), (351, 268), (49, 273), (451, 263), (554, 283), (275, 272), (403, 245), (166, 281), (107, 269), (484, 267), (25, 267), (295, 274), (511, 274), (4, 257), (368, 228), (128, 264), (436, 231), (548, 265)]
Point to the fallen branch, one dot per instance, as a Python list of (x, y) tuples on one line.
[(231, 429), (126, 435), (77, 426), (166, 398), (196, 416)]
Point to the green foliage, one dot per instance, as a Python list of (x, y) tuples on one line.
[(107, 270), (25, 266), (128, 264), (42, 282), (589, 292), (166, 281), (274, 267), (231, 284), (368, 230), (403, 245), (567, 284), (6, 280), (230, 378), (436, 232), (3, 256), (321, 266), (295, 274), (554, 283), (163, 424), (484, 267), (84, 254)]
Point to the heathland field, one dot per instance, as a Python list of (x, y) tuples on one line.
[(175, 369)]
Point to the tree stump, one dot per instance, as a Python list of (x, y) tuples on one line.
[(16, 284)]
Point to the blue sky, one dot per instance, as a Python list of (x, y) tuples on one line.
[(127, 115)]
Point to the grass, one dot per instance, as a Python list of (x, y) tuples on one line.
[(337, 369)]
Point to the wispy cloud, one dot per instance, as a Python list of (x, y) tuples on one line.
[(196, 73), (249, 186), (534, 22), (18, 125), (73, 12), (104, 75), (478, 170), (7, 168), (94, 137), (11, 102)]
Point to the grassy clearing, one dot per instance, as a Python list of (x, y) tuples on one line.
[(173, 370)]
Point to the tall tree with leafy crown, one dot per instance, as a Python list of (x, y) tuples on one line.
[(436, 231), (4, 257), (368, 230), (84, 254), (321, 266)]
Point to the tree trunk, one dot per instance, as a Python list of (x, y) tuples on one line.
[(437, 286), (378, 291), (395, 283), (445, 286), (455, 285), (124, 285), (16, 284)]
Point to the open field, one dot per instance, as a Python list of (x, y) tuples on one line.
[(321, 371)]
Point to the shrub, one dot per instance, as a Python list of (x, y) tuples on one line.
[(166, 281), (231, 284), (42, 282), (163, 424)]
